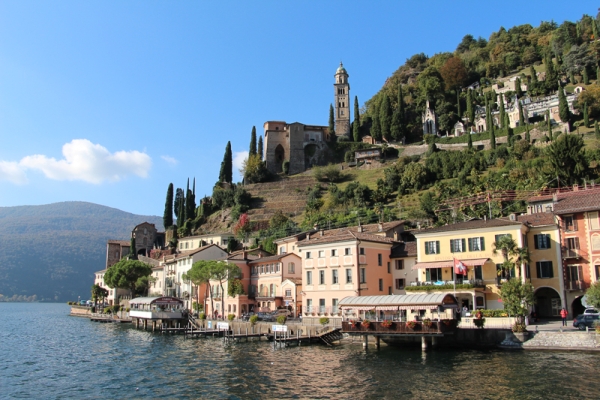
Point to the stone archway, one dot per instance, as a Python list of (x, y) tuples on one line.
[(576, 307), (548, 303), (279, 158)]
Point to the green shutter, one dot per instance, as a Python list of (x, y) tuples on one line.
[(551, 270), (437, 247), (481, 242), (470, 244), (451, 245), (538, 267), (464, 245), (426, 248), (535, 241), (548, 241)]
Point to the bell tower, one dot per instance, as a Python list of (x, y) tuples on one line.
[(342, 102)]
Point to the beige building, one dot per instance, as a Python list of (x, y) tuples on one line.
[(195, 242)]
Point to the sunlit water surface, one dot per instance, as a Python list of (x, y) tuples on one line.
[(45, 354)]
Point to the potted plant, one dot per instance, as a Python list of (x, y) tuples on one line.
[(366, 323), (253, 320), (427, 323), (231, 317), (411, 325), (387, 323), (281, 319), (353, 323), (479, 322)]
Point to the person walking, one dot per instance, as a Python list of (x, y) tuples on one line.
[(563, 315)]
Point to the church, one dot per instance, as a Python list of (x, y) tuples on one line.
[(306, 145)]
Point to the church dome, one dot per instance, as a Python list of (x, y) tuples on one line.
[(341, 69)]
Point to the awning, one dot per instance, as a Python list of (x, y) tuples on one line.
[(156, 300), (445, 264), (427, 301)]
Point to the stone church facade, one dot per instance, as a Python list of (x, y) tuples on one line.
[(306, 145)]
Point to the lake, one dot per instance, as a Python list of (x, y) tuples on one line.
[(46, 354)]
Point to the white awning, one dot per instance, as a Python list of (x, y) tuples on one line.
[(445, 264)]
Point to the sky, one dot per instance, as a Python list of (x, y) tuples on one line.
[(109, 102)]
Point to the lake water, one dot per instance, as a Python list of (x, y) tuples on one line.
[(45, 354)]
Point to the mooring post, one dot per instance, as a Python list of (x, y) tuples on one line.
[(366, 341), (423, 343), (377, 342)]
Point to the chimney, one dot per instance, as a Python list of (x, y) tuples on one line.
[(380, 227), (244, 254), (260, 254), (308, 236), (396, 235), (360, 228), (321, 232), (575, 188), (554, 197)]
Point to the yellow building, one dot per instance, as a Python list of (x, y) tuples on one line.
[(472, 243)]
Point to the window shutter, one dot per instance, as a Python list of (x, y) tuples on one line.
[(426, 248), (574, 223), (576, 243), (548, 241), (538, 267), (481, 242), (580, 273), (551, 275), (437, 247), (535, 241), (470, 244), (464, 245), (451, 245)]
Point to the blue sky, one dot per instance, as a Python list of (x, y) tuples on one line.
[(109, 102)]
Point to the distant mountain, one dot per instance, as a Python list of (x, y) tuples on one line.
[(52, 251)]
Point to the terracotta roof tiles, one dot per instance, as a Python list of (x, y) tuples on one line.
[(473, 224)]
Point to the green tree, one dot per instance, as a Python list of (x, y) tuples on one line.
[(586, 78), (490, 122), (512, 254), (252, 149), (224, 272), (527, 134), (596, 130), (254, 170), (385, 117), (533, 74), (226, 173), (521, 115), (375, 127), (331, 122), (98, 293), (125, 274), (563, 108), (469, 138), (597, 75), (551, 82), (470, 108), (132, 249), (179, 205), (260, 148), (517, 298), (200, 274), (593, 294), (502, 111), (168, 214), (566, 156), (356, 123), (518, 90), (586, 118)]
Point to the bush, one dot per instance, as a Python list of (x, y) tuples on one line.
[(231, 317), (330, 173), (323, 321), (343, 138), (286, 167), (281, 319), (253, 319), (202, 315)]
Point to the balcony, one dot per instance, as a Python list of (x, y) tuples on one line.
[(322, 311), (570, 253), (575, 285), (266, 295), (467, 284), (397, 327)]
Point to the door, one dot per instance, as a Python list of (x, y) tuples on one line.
[(555, 307)]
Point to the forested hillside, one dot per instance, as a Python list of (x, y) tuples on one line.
[(50, 252)]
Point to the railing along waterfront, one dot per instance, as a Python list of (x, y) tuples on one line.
[(396, 327)]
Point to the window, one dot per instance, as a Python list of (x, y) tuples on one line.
[(544, 269), (572, 243), (334, 277), (432, 247), (476, 244), (362, 251), (321, 277), (288, 292), (348, 275), (594, 222), (595, 242), (433, 274), (527, 271), (347, 251), (478, 272), (277, 267), (570, 223), (309, 305), (363, 275), (291, 268), (541, 241), (457, 245), (399, 264), (400, 283), (381, 285), (282, 250), (321, 305), (308, 255), (573, 274), (334, 306), (321, 253), (309, 277), (388, 265), (333, 252)]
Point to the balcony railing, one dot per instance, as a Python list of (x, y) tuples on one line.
[(397, 327), (444, 285), (570, 253), (575, 285), (322, 310)]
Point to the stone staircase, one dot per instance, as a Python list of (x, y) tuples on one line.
[(288, 195)]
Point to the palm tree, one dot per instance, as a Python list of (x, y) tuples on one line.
[(509, 248)]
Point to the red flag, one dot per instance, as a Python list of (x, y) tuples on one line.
[(459, 267)]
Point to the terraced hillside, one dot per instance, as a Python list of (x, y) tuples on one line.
[(287, 195)]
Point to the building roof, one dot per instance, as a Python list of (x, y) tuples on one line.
[(297, 236), (342, 236), (341, 69), (272, 258), (578, 202), (188, 253), (561, 193), (537, 219), (473, 224), (120, 242), (295, 281), (404, 249)]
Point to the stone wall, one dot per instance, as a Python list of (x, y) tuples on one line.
[(563, 340)]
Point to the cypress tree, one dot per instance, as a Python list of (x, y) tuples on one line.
[(395, 128), (375, 127), (596, 129), (252, 150), (132, 249), (509, 136), (527, 134), (331, 122), (586, 119), (572, 77), (356, 123), (551, 82), (385, 117), (469, 139), (179, 200), (470, 108), (586, 79), (521, 115), (458, 103), (260, 148), (492, 138), (490, 122), (597, 75), (502, 112), (594, 29), (226, 174), (518, 90), (533, 74), (549, 126), (563, 109), (168, 214)]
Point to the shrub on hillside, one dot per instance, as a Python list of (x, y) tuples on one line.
[(330, 173)]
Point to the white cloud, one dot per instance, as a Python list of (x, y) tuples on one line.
[(12, 172), (89, 162), (170, 160), (238, 160)]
